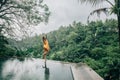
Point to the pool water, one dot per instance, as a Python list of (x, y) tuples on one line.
[(35, 69)]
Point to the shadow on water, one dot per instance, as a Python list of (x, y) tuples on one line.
[(34, 69)]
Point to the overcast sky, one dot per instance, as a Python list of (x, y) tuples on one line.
[(64, 12)]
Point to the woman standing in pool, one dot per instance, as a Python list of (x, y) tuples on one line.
[(45, 47)]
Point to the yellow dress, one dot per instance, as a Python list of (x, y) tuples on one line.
[(46, 45)]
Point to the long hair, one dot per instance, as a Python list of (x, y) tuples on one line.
[(43, 38)]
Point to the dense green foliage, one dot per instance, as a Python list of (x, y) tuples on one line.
[(95, 44), (5, 49), (114, 8)]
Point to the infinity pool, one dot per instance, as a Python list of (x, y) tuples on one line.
[(35, 69)]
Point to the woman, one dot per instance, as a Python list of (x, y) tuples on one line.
[(45, 47)]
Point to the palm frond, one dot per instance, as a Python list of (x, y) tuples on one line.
[(98, 11), (93, 2), (110, 2)]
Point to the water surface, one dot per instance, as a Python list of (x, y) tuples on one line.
[(35, 69)]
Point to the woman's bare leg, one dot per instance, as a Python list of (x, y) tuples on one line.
[(44, 55)]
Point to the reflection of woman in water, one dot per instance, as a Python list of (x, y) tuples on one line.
[(45, 47), (47, 73)]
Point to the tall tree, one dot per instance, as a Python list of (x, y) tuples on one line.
[(118, 16), (18, 15), (115, 8)]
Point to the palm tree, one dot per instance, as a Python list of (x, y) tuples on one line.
[(115, 8)]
